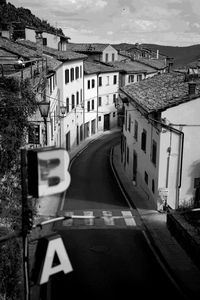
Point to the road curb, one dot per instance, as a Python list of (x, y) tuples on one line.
[(148, 235)]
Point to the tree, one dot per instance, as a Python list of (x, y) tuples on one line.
[(17, 104)]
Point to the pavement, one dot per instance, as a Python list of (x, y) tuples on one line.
[(171, 255)]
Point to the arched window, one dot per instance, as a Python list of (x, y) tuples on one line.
[(73, 101), (72, 74), (77, 72)]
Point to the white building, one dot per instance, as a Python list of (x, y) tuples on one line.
[(55, 41), (160, 139)]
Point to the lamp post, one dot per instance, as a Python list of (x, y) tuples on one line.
[(44, 107)]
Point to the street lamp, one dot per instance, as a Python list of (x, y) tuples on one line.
[(63, 110), (44, 107)]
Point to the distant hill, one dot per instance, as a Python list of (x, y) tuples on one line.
[(21, 17), (182, 55)]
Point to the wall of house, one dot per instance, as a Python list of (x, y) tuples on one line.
[(74, 115), (108, 51), (90, 102), (132, 144), (52, 39), (187, 114), (30, 34), (106, 92), (168, 178)]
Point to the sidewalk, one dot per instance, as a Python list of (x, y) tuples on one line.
[(170, 253)]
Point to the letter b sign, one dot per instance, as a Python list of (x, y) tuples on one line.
[(47, 171)]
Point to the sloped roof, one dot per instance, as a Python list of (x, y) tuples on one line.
[(60, 55), (95, 67), (159, 92), (159, 64), (15, 48), (87, 48), (132, 67)]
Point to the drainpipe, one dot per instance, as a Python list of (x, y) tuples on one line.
[(180, 158), (83, 106), (97, 102)]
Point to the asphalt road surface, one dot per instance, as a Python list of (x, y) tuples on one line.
[(105, 238)]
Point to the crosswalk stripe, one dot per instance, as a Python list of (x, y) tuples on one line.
[(128, 218), (99, 218), (68, 222), (89, 221), (107, 216)]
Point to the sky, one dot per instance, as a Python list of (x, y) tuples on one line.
[(164, 22)]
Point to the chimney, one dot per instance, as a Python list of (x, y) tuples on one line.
[(39, 42), (191, 88), (157, 54)]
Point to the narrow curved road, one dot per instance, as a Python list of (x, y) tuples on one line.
[(108, 251)]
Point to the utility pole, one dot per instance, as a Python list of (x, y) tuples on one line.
[(25, 229)]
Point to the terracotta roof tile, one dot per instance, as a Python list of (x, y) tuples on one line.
[(159, 92), (95, 67), (60, 55), (132, 67)]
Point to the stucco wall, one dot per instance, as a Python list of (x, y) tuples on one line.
[(144, 163), (187, 114)]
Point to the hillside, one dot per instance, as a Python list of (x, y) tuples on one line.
[(21, 17), (182, 55)]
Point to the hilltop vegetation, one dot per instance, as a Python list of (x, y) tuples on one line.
[(182, 55), (21, 17)]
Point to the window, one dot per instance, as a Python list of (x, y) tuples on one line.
[(154, 152), (129, 122), (77, 98), (99, 118), (93, 83), (131, 78), (143, 140), (88, 106), (146, 177), (139, 77), (100, 101), (134, 166), (100, 81), (114, 98), (88, 84), (153, 186), (127, 154), (92, 104), (66, 76), (114, 115), (115, 79), (136, 130), (80, 71), (77, 72), (81, 95), (73, 101), (72, 74), (106, 57), (113, 56), (67, 105), (44, 41)]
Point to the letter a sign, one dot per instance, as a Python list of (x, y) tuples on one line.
[(47, 171), (47, 250)]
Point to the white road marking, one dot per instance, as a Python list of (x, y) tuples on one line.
[(108, 219), (89, 221), (68, 222), (128, 218)]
